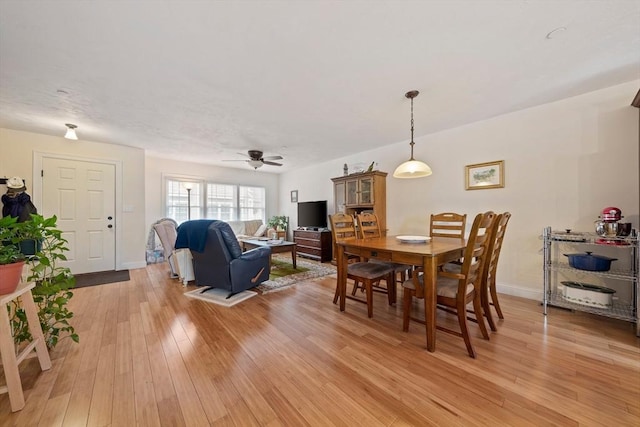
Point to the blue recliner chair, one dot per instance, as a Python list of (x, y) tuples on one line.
[(218, 260)]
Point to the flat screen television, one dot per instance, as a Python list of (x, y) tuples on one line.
[(312, 214)]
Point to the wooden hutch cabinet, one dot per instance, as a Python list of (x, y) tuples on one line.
[(358, 192)]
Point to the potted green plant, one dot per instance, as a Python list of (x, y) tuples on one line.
[(279, 222), (11, 259), (53, 282)]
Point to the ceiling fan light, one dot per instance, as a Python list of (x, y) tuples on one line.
[(412, 169), (71, 131), (255, 163)]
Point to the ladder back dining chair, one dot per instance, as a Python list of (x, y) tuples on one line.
[(448, 224), (456, 290), (489, 293), (368, 273), (500, 229), (369, 227)]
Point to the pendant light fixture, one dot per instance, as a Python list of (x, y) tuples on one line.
[(71, 131), (412, 168)]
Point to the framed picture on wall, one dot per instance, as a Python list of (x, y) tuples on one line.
[(294, 196), (483, 176)]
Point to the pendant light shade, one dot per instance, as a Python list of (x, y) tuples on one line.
[(71, 131), (412, 168)]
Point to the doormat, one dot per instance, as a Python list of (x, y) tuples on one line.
[(101, 278), (219, 296), (308, 270)]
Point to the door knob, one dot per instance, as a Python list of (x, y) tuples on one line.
[(110, 226), (109, 218)]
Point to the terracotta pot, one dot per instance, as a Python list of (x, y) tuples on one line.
[(10, 277)]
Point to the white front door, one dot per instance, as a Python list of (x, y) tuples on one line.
[(82, 195)]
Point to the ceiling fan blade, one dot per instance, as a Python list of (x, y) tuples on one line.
[(234, 160), (271, 163), (273, 158)]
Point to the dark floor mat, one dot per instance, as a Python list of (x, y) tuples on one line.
[(101, 278)]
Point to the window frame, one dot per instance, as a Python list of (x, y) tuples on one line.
[(201, 201)]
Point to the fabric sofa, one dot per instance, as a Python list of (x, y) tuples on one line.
[(249, 229)]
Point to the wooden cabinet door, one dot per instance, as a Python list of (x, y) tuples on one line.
[(352, 192), (365, 191), (339, 193)]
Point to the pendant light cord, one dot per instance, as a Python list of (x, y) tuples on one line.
[(412, 143)]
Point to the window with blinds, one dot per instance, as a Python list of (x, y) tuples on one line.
[(226, 202), (252, 203)]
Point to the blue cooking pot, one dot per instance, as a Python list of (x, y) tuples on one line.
[(588, 261)]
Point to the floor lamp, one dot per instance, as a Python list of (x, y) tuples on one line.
[(188, 186)]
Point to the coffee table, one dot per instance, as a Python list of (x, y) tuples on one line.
[(279, 248)]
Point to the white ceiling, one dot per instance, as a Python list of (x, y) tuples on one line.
[(310, 80)]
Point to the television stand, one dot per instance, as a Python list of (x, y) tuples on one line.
[(313, 244)]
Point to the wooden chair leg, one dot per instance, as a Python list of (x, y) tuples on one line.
[(395, 291), (369, 289), (403, 276), (391, 288), (407, 298), (355, 287), (477, 309), (486, 308), (494, 300), (464, 330)]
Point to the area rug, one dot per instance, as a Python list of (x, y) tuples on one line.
[(312, 270), (281, 268), (101, 278), (219, 296)]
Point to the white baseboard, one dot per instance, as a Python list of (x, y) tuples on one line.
[(132, 265), (510, 289)]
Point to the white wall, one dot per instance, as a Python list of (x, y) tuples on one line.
[(564, 162), (17, 152), (156, 168)]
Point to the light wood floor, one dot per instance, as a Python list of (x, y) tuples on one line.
[(149, 356)]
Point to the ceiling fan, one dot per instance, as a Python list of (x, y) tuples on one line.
[(256, 159)]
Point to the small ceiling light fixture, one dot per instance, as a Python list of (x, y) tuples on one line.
[(71, 131), (412, 168), (255, 163)]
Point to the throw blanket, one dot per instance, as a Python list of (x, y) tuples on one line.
[(193, 234)]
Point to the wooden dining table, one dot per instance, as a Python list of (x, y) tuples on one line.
[(429, 255)]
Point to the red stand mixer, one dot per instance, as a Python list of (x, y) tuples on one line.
[(609, 225)]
